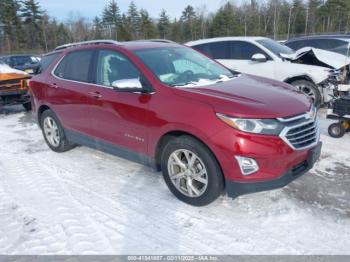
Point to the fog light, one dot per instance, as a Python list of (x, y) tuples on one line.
[(247, 165)]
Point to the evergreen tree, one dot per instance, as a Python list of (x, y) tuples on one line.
[(147, 27), (111, 19), (188, 20), (11, 24), (32, 20), (134, 20), (225, 22), (299, 17), (164, 25), (98, 28)]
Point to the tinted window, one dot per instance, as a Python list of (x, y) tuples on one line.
[(275, 47), (75, 66), (296, 45), (21, 60), (326, 44), (241, 50), (113, 66), (217, 50), (46, 61)]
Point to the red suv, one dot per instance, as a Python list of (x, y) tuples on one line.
[(208, 129)]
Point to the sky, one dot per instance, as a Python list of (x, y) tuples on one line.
[(61, 9)]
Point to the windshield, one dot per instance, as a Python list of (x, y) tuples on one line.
[(182, 66), (276, 47)]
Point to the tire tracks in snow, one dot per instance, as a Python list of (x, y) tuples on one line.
[(68, 224)]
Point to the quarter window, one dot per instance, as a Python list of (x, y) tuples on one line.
[(75, 66)]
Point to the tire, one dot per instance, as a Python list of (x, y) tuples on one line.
[(204, 175), (54, 136), (27, 106), (309, 89), (336, 130)]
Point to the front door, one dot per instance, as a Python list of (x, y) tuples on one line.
[(119, 116)]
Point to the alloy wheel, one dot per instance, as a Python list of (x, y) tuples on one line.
[(188, 173), (51, 131)]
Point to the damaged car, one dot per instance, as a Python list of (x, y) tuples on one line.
[(14, 87), (316, 74)]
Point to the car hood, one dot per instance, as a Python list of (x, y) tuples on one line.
[(250, 96), (8, 73), (315, 56)]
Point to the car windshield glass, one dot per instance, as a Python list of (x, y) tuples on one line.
[(183, 66), (275, 47)]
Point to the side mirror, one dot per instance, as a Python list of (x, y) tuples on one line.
[(128, 85), (259, 58)]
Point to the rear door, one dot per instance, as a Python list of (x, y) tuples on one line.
[(69, 90)]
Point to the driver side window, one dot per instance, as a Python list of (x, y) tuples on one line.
[(113, 67)]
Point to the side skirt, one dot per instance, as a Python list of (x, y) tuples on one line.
[(80, 139)]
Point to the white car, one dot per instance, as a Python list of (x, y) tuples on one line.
[(267, 58)]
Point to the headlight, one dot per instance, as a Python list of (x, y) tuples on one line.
[(256, 126)]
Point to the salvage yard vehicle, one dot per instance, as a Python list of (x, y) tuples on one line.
[(311, 72), (333, 43), (208, 129), (13, 87), (341, 113), (27, 63)]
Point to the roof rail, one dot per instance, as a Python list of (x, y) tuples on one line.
[(157, 40), (92, 42)]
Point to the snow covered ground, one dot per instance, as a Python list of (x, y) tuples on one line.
[(88, 202)]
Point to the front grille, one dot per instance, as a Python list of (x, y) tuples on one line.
[(10, 88), (301, 134)]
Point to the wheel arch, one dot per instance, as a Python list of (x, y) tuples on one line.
[(290, 80), (165, 138), (41, 110)]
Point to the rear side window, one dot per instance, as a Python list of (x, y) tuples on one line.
[(47, 60), (217, 50), (75, 66)]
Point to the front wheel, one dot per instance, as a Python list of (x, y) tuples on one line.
[(336, 130), (191, 172), (309, 89)]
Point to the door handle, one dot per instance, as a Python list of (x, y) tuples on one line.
[(95, 94), (54, 85)]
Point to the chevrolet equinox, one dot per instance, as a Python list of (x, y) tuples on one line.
[(209, 130)]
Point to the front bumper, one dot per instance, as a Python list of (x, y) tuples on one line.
[(14, 97), (235, 189)]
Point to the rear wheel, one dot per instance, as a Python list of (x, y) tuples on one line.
[(336, 130), (191, 171), (53, 132), (309, 89)]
